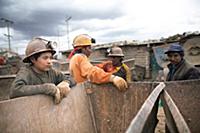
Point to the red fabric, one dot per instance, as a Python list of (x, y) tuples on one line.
[(107, 66), (72, 53), (2, 60)]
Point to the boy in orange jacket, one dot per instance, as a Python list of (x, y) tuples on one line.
[(82, 70)]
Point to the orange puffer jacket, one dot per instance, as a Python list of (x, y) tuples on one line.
[(82, 70)]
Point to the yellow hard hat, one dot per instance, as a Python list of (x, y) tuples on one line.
[(83, 40), (38, 45)]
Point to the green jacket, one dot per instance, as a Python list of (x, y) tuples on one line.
[(28, 82)]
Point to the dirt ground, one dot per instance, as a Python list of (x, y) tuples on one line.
[(160, 128)]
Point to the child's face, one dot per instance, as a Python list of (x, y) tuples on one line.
[(87, 50), (115, 60), (43, 62)]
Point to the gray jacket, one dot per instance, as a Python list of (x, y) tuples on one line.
[(182, 71), (28, 82)]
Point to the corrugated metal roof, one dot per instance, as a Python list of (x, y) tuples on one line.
[(170, 39)]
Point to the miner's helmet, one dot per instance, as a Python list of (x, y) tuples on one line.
[(115, 52), (83, 40), (175, 47), (38, 45)]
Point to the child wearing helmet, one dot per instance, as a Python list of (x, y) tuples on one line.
[(82, 70), (37, 76), (115, 64)]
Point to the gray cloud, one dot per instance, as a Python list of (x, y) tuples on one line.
[(31, 20), (118, 33), (106, 20)]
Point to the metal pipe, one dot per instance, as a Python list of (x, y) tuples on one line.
[(8, 23), (67, 21)]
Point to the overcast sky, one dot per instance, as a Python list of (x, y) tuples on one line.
[(105, 20)]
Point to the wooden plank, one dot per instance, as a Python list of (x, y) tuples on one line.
[(7, 76), (138, 123), (130, 62), (174, 119), (38, 114)]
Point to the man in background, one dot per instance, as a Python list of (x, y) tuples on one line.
[(179, 68)]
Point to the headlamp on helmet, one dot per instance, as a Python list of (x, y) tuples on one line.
[(49, 44), (83, 40), (39, 45)]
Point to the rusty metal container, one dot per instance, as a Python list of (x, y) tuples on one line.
[(186, 97), (88, 108), (5, 83), (38, 114), (103, 109), (113, 110)]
